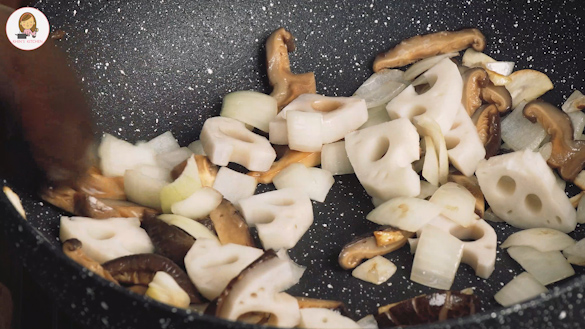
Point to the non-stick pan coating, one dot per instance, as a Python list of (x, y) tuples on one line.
[(153, 66)]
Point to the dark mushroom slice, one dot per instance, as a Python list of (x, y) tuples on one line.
[(140, 269), (424, 309), (309, 159), (474, 80), (423, 46), (334, 305), (62, 197), (489, 129), (230, 226), (207, 170), (286, 85), (567, 155), (497, 95), (95, 184), (168, 240), (72, 249), (366, 246), (472, 185), (89, 206)]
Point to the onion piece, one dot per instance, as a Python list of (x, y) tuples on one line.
[(322, 318), (438, 255), (426, 190), (142, 189), (581, 211), (503, 68), (426, 126), (578, 121), (522, 288), (519, 133), (163, 143), (305, 131), (424, 65), (155, 172), (171, 159), (313, 181), (474, 58), (335, 160), (541, 239), (368, 322), (430, 169), (375, 270), (381, 87), (570, 104), (546, 150), (233, 185), (456, 202), (250, 107), (190, 226), (576, 253), (199, 205), (197, 148), (184, 186), (408, 214), (376, 115), (546, 267), (117, 156), (165, 289)]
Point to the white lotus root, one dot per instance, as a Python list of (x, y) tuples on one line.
[(282, 216), (480, 254), (522, 190), (341, 115), (227, 140), (106, 239), (211, 266), (382, 157), (441, 102), (322, 318), (465, 149)]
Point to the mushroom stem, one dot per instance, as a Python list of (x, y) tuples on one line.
[(72, 248), (309, 159), (423, 46), (287, 86), (567, 155), (230, 226)]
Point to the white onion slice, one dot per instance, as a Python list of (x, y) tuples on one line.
[(438, 255), (163, 143), (197, 147), (522, 288), (376, 270), (155, 172), (457, 203), (334, 158), (424, 65), (233, 185), (377, 201), (117, 156), (541, 239), (182, 187), (578, 121), (519, 133), (546, 267), (381, 87), (408, 214), (569, 105), (313, 181), (165, 289), (426, 190), (190, 226), (142, 189), (430, 169), (305, 131), (171, 159), (250, 107), (545, 150), (426, 126), (199, 204), (368, 322), (576, 253), (503, 68), (376, 115)]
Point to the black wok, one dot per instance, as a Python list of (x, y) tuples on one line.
[(152, 66)]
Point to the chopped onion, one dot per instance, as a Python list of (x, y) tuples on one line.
[(155, 172), (171, 159), (541, 239), (546, 267), (190, 226), (376, 270), (376, 115), (546, 150), (234, 185), (305, 131), (429, 127), (438, 255), (163, 143), (576, 253), (250, 107), (578, 121), (503, 68), (457, 203), (199, 204), (197, 148), (313, 181), (569, 105), (117, 156), (408, 214), (142, 189), (377, 201), (430, 169), (334, 159), (489, 215), (368, 322), (519, 133), (473, 58), (381, 87), (182, 187), (522, 288), (424, 65), (426, 189), (165, 289)]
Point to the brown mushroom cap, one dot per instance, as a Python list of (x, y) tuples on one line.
[(567, 155), (422, 309), (168, 240), (230, 226), (140, 269), (423, 46), (366, 247), (489, 129), (287, 86), (497, 95), (309, 159), (334, 305), (472, 185), (474, 80), (72, 248)]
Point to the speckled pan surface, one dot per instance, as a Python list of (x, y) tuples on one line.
[(153, 66)]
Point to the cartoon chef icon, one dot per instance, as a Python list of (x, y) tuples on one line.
[(28, 25)]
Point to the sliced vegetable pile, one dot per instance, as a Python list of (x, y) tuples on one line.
[(432, 145)]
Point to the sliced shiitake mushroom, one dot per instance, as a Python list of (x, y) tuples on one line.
[(489, 129), (207, 170), (89, 206), (230, 226), (334, 305), (367, 246), (425, 309), (309, 159), (72, 249), (497, 95), (168, 240), (140, 269), (95, 184), (474, 80)]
